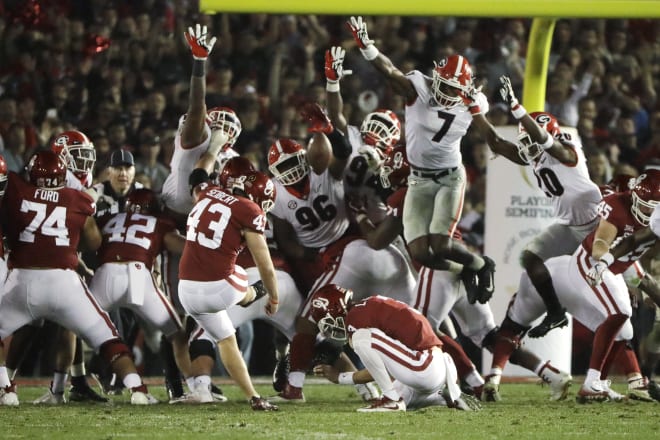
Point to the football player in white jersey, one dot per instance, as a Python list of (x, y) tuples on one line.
[(561, 173), (199, 131), (436, 120), (371, 142), (310, 219)]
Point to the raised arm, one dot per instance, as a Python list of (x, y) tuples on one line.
[(192, 132), (382, 63), (334, 72)]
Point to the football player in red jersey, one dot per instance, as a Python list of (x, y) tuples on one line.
[(131, 242), (439, 292), (220, 225), (397, 346), (48, 222), (603, 307), (561, 171), (3, 186), (436, 121)]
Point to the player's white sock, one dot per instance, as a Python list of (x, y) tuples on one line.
[(59, 381)]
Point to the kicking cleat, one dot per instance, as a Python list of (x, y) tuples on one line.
[(559, 381), (385, 404), (260, 404), (550, 322), (290, 394), (259, 292), (85, 394), (281, 373), (596, 391)]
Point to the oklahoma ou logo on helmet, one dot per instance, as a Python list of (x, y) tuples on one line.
[(320, 303)]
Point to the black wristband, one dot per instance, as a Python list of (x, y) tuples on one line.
[(197, 176), (341, 148), (199, 68)]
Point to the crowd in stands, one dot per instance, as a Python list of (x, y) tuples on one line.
[(119, 71)]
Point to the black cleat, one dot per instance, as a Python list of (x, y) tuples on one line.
[(261, 404), (218, 395), (259, 292), (550, 322), (174, 387), (654, 390), (281, 373), (486, 281), (79, 393)]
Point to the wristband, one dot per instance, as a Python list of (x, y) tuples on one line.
[(332, 86), (346, 378), (518, 111), (361, 216), (198, 67), (607, 259), (474, 109), (370, 52), (549, 142)]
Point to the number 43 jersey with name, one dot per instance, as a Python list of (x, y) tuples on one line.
[(44, 226), (574, 196), (319, 215), (133, 237), (214, 235)]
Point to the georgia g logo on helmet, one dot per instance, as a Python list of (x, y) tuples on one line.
[(543, 119), (62, 140)]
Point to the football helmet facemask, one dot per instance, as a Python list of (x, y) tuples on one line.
[(645, 195), (329, 306), (225, 119), (381, 129), (451, 76), (287, 161), (78, 153)]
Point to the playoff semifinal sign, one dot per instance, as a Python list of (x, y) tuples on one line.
[(516, 211)]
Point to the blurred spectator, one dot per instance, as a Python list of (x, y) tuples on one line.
[(147, 163), (15, 148)]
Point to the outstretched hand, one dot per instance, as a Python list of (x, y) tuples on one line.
[(334, 64), (358, 28), (318, 121), (506, 91), (198, 41)]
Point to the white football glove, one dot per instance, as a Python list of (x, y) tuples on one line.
[(372, 156), (595, 274), (198, 41), (334, 64), (358, 28), (506, 91)]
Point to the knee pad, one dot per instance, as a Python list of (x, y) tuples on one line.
[(113, 349), (201, 347)]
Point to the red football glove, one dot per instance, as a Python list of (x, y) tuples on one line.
[(197, 40), (358, 28), (469, 98), (316, 118), (334, 64)]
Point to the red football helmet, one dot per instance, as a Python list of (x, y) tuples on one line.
[(225, 119), (395, 169), (381, 129), (528, 149), (645, 195), (329, 308), (47, 170), (78, 153), (142, 201), (287, 161), (451, 76), (232, 169), (257, 187), (619, 183), (3, 175)]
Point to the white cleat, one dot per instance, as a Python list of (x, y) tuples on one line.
[(559, 386), (385, 404), (140, 398), (8, 397), (51, 398)]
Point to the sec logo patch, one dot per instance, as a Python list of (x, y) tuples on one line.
[(292, 204)]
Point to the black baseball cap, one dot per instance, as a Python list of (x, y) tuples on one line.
[(121, 157)]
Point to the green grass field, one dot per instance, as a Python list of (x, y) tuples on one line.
[(524, 413)]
